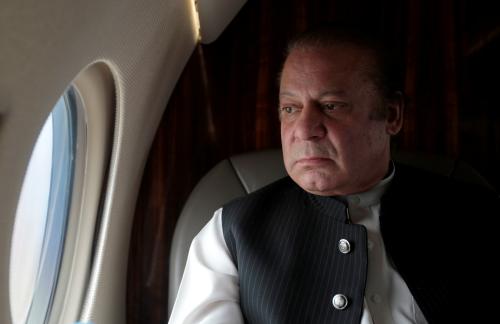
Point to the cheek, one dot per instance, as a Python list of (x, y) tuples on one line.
[(285, 143), (352, 144), (286, 136), (282, 132), (342, 139), (375, 137)]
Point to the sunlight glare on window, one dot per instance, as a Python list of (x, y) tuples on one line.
[(41, 217), (30, 225)]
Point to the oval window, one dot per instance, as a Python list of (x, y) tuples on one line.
[(42, 215)]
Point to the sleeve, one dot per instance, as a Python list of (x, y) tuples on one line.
[(209, 290)]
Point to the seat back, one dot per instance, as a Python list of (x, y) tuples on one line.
[(243, 174), (231, 178)]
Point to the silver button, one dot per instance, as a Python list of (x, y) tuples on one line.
[(344, 246), (339, 301)]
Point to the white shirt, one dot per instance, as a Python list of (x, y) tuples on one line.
[(209, 290)]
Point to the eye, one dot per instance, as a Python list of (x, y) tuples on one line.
[(332, 106), (287, 110)]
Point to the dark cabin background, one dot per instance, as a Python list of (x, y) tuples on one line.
[(225, 103)]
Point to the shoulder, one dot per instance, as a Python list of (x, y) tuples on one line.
[(259, 207), (410, 183), (434, 226), (272, 192), (250, 213), (418, 198)]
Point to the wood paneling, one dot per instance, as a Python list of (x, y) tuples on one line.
[(226, 99), (479, 84)]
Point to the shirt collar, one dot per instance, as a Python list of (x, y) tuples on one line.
[(336, 205), (373, 195)]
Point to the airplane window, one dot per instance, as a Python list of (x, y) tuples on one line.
[(42, 214)]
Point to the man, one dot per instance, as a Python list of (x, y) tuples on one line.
[(349, 237)]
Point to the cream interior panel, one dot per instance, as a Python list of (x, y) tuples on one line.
[(45, 44)]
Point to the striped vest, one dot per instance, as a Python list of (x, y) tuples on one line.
[(285, 244)]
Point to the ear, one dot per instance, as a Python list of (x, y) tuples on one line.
[(395, 110)]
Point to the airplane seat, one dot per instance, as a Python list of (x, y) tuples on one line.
[(229, 179), (243, 174)]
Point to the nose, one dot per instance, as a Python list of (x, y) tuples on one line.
[(309, 126)]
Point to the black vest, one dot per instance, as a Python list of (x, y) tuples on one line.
[(284, 242)]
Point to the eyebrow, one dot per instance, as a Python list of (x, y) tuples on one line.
[(286, 94), (321, 95), (332, 93)]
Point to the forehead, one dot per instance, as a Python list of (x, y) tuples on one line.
[(333, 69), (334, 58)]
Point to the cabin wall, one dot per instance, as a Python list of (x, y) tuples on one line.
[(226, 103)]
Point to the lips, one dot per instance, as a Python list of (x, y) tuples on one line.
[(313, 160)]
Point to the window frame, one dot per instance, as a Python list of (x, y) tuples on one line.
[(95, 89)]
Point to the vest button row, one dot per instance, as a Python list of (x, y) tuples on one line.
[(340, 301), (344, 246)]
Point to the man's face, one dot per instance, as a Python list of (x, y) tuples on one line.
[(332, 142)]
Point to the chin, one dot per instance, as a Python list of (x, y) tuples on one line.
[(318, 184)]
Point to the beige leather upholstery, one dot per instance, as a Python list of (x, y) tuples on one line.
[(242, 174), (231, 178)]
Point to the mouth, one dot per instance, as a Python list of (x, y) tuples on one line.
[(313, 160)]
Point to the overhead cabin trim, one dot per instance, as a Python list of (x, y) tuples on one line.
[(215, 15)]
